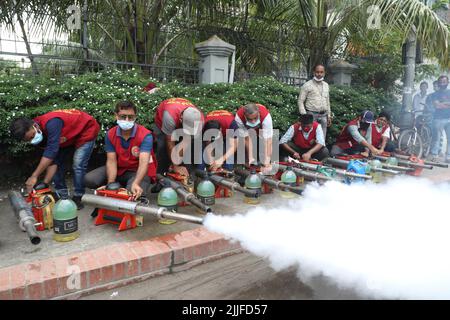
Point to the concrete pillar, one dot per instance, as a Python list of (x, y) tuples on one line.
[(342, 72), (214, 56)]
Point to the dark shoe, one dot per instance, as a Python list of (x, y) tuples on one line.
[(77, 201)]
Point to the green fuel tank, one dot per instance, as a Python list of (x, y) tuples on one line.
[(393, 161), (377, 177), (65, 220), (206, 191), (290, 178), (252, 182), (168, 198)]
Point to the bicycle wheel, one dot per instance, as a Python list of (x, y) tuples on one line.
[(425, 134), (410, 142)]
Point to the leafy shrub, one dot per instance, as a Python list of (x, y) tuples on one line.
[(97, 93)]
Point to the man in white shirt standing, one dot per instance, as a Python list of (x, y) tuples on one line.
[(314, 99), (420, 98)]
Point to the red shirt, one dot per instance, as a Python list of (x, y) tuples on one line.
[(79, 127), (345, 139), (300, 140), (263, 113), (225, 118), (174, 106), (128, 159), (377, 136)]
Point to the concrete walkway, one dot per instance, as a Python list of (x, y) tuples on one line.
[(107, 258)]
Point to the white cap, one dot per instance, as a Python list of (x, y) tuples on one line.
[(192, 121)]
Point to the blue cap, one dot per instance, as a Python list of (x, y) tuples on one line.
[(367, 116)]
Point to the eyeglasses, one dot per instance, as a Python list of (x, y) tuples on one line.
[(126, 116)]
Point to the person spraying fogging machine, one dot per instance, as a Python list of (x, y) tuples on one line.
[(130, 159), (352, 139), (60, 130)]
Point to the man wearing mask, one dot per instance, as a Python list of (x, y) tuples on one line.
[(379, 133), (129, 154), (61, 130), (440, 102), (420, 97), (429, 98), (304, 140), (352, 139), (314, 99), (255, 116), (173, 114)]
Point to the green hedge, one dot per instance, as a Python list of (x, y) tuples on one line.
[(97, 93)]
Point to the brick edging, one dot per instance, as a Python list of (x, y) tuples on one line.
[(112, 266)]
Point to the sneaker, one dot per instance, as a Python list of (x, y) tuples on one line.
[(77, 201)]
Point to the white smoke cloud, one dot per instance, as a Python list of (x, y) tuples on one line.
[(387, 240)]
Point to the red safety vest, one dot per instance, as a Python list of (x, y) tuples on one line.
[(263, 113), (78, 128), (377, 136), (128, 159), (225, 118), (345, 139), (300, 140), (175, 106)]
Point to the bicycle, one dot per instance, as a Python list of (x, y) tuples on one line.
[(413, 134)]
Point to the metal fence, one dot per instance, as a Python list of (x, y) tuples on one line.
[(165, 54)]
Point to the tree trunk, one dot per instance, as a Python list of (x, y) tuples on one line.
[(317, 48), (27, 44), (410, 69)]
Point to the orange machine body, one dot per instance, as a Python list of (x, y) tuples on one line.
[(125, 221), (42, 203)]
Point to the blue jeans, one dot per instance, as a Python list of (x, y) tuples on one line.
[(80, 163), (438, 125)]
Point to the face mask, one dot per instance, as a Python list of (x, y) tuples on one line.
[(125, 125), (443, 86), (37, 137), (317, 79), (306, 129), (254, 124)]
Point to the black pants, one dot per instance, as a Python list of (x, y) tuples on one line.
[(319, 155), (97, 178)]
